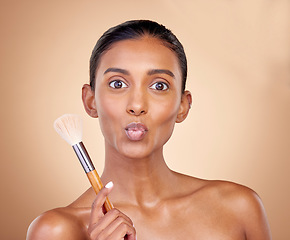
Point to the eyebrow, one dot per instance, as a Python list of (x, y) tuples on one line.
[(117, 70), (162, 71), (150, 72)]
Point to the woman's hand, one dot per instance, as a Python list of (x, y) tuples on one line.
[(112, 225)]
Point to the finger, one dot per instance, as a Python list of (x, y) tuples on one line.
[(115, 213), (108, 223), (97, 207), (125, 231)]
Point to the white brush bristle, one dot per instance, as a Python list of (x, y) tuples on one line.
[(69, 127)]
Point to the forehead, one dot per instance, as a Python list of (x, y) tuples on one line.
[(144, 53)]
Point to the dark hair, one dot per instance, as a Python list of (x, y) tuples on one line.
[(135, 29)]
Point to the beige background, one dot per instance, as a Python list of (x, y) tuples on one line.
[(239, 75)]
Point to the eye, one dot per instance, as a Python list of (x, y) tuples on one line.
[(160, 86), (117, 84)]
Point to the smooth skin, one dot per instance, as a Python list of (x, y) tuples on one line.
[(140, 81)]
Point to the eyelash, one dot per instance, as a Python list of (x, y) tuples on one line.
[(165, 86), (124, 85), (112, 84)]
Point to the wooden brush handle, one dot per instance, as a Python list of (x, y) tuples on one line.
[(97, 186)]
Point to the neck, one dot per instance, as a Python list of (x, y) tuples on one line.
[(143, 181)]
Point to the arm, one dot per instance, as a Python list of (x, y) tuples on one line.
[(247, 208), (254, 218)]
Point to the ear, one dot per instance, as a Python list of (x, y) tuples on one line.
[(185, 105), (88, 97)]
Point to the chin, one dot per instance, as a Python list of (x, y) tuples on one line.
[(139, 152), (135, 154)]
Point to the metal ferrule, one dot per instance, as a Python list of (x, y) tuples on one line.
[(84, 157)]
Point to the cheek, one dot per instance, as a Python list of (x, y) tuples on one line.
[(165, 116), (166, 111), (109, 112)]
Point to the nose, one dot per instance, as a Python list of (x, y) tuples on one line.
[(137, 103)]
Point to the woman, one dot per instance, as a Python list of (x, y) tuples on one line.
[(137, 91)]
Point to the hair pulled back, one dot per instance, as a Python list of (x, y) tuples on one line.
[(135, 29)]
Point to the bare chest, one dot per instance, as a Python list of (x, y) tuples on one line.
[(193, 224), (186, 231)]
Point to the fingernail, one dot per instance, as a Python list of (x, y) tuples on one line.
[(109, 185)]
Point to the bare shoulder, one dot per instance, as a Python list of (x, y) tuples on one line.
[(229, 193), (236, 197), (59, 223), (229, 190), (237, 202)]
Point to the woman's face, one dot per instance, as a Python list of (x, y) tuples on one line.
[(138, 96)]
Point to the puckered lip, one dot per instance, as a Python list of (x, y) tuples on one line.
[(136, 126), (136, 131)]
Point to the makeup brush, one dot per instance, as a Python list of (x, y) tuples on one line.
[(69, 127)]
